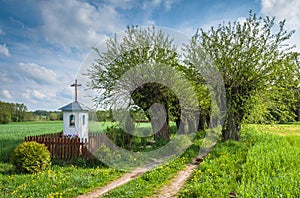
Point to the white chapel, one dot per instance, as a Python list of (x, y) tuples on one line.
[(75, 117)]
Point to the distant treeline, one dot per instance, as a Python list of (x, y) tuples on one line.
[(12, 112), (15, 112)]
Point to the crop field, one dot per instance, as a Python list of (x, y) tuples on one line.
[(264, 163), (279, 129), (13, 134)]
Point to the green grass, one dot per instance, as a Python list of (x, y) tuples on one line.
[(58, 181), (14, 133), (264, 164), (261, 165), (99, 127), (218, 175), (278, 129), (272, 168), (150, 182)]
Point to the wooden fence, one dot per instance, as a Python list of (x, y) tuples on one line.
[(70, 148)]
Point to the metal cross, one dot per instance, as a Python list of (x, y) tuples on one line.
[(75, 85)]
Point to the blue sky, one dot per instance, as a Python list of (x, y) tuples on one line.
[(43, 43)]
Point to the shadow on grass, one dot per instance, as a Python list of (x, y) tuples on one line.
[(7, 169), (79, 162), (6, 148)]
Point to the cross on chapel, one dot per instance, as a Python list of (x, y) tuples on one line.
[(75, 117), (75, 85)]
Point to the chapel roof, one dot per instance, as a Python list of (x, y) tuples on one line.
[(75, 106)]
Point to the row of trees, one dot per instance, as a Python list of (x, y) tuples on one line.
[(12, 112), (15, 112), (259, 72)]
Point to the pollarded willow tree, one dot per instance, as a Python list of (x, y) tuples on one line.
[(126, 61), (280, 103), (252, 57)]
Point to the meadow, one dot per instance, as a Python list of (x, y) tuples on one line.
[(264, 163), (61, 180), (14, 133)]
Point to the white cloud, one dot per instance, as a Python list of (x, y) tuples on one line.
[(151, 4), (150, 23), (4, 50), (77, 24), (81, 25), (26, 94), (169, 3), (1, 32), (166, 4), (6, 93), (5, 77), (34, 95), (123, 4), (38, 94), (285, 9), (37, 73)]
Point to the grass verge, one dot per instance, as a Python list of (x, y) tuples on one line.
[(55, 182), (148, 184), (261, 165)]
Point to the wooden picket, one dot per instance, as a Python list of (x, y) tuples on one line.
[(69, 148)]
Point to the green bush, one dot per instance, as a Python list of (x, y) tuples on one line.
[(31, 157), (119, 137)]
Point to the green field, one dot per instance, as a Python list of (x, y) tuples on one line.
[(279, 129), (59, 180), (264, 163), (13, 134)]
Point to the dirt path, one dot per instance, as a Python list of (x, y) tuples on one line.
[(122, 180), (169, 190), (118, 182), (172, 188)]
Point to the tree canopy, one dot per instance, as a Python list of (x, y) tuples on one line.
[(251, 57), (12, 112), (138, 47), (254, 60)]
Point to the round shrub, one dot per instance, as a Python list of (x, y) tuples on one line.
[(31, 157)]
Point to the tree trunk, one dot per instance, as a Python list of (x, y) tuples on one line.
[(207, 120), (142, 97), (192, 126), (160, 127), (201, 125), (163, 132), (127, 140), (177, 121), (298, 114), (232, 126)]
